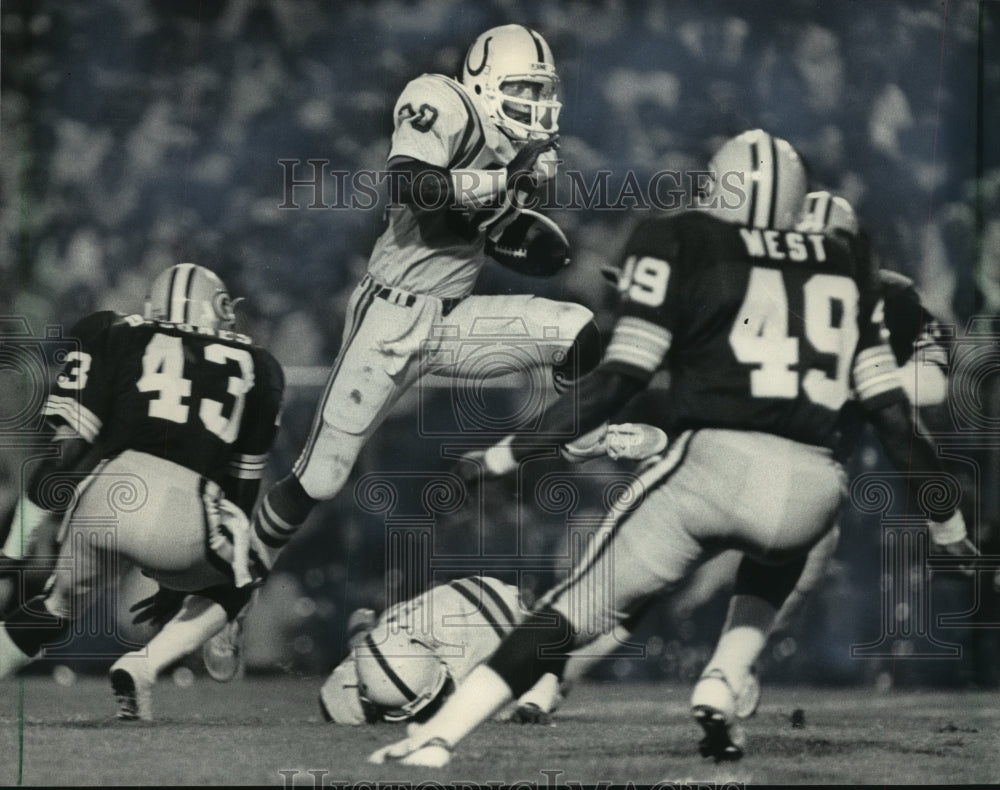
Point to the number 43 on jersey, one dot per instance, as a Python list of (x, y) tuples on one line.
[(163, 374)]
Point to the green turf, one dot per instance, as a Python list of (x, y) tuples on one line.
[(249, 731)]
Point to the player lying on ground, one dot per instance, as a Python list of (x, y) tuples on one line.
[(181, 412), (403, 665), (765, 332)]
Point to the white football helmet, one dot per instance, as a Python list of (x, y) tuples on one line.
[(758, 180), (514, 54), (400, 675), (824, 212), (190, 294)]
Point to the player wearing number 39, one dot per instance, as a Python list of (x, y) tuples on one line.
[(179, 411), (765, 332), (466, 156)]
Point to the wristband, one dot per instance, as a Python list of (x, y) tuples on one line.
[(950, 531)]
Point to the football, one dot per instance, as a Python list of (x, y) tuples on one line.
[(528, 243)]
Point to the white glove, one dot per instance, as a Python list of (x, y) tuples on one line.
[(630, 441), (340, 695), (414, 749), (546, 166), (236, 521), (590, 445), (635, 441)]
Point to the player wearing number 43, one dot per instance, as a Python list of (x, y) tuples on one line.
[(466, 153), (179, 412), (765, 333)]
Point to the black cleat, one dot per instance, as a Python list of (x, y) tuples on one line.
[(722, 741), (133, 693), (529, 713)]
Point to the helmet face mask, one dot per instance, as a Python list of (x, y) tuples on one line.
[(759, 181), (401, 676), (190, 294), (499, 66)]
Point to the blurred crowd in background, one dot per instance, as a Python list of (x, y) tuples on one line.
[(143, 133)]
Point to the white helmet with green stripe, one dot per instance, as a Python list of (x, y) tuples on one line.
[(758, 181), (190, 294)]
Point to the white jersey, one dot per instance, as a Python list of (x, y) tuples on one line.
[(439, 122), (463, 620)]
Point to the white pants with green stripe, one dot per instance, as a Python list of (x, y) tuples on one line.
[(714, 490)]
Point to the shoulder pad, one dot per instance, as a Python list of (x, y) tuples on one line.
[(274, 372), (660, 235), (436, 100), (90, 326), (894, 281)]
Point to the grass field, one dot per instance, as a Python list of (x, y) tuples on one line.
[(247, 732)]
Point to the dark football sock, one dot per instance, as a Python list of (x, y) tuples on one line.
[(582, 356), (31, 626), (284, 509), (537, 646)]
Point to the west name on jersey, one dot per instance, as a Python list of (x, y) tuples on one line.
[(784, 245)]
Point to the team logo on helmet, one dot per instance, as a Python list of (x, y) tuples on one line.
[(511, 69), (190, 294)]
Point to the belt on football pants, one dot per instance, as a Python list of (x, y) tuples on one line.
[(406, 299)]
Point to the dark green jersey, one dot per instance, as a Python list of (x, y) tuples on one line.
[(760, 330), (206, 399)]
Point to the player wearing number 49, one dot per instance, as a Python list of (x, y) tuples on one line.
[(182, 411), (765, 332)]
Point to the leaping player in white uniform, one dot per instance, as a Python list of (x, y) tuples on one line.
[(461, 151)]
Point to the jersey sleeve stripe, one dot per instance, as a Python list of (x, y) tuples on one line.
[(248, 463), (78, 417), (638, 342), (477, 601), (473, 138), (875, 372), (241, 473), (509, 619)]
